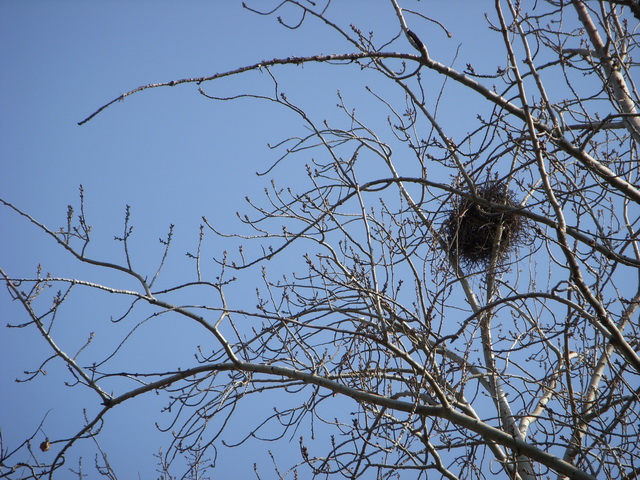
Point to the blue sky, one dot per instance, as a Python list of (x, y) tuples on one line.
[(171, 154)]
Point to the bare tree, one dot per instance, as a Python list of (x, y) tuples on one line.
[(473, 298)]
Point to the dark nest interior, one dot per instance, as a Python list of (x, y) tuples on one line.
[(471, 229)]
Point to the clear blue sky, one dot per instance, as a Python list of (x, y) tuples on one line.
[(169, 153)]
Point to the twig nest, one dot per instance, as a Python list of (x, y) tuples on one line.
[(472, 228)]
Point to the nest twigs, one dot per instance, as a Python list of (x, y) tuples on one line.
[(472, 228)]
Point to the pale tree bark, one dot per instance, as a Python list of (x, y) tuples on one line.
[(612, 62)]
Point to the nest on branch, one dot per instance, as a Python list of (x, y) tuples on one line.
[(472, 229)]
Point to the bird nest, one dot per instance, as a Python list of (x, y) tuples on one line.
[(472, 228)]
